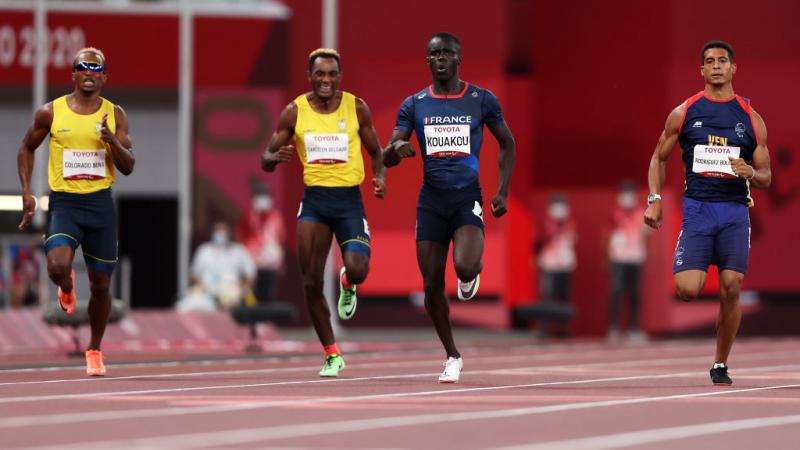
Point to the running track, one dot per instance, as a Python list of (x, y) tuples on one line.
[(513, 395)]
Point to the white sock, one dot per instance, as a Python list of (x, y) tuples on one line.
[(718, 365)]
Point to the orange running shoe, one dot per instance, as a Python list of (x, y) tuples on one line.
[(94, 363), (67, 301)]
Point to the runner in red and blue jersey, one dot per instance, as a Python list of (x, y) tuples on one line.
[(724, 147), (448, 118)]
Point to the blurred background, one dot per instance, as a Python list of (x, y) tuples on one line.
[(585, 88)]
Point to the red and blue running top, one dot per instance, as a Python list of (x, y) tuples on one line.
[(449, 130), (712, 131)]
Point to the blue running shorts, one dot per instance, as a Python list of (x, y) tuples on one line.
[(713, 233)]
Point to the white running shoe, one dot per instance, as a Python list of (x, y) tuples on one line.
[(452, 370), (467, 290)]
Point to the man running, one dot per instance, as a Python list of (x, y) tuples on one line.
[(329, 126), (448, 119), (724, 149), (88, 139)]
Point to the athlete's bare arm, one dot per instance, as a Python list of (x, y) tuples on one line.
[(369, 138), (279, 150), (657, 172), (508, 153), (120, 141), (397, 148), (760, 173), (42, 120)]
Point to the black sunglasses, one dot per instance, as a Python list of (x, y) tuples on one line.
[(89, 66)]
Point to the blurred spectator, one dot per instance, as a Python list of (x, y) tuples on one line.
[(222, 274), (24, 276), (263, 233), (555, 253), (627, 251)]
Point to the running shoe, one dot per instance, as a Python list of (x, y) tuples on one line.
[(347, 299), (94, 363), (452, 370), (67, 301), (719, 376), (333, 364), (467, 290)]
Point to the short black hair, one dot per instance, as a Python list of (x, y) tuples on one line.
[(323, 53), (716, 44), (445, 36)]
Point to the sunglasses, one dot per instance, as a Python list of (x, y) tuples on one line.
[(85, 66)]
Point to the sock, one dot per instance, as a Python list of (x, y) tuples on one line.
[(718, 365), (345, 284), (331, 349)]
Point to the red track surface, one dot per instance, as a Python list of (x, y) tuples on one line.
[(512, 394)]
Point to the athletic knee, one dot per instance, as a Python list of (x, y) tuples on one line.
[(687, 293), (432, 288), (730, 286), (357, 274), (729, 294), (57, 271), (467, 271)]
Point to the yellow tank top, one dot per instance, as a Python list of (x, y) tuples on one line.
[(79, 162), (329, 145)]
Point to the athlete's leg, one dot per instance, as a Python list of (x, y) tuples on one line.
[(689, 283), (467, 252), (63, 237), (730, 312), (352, 234), (313, 244), (357, 267), (59, 266), (432, 260), (99, 306)]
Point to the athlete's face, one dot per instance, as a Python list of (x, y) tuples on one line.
[(717, 69), (444, 56), (325, 77), (88, 73)]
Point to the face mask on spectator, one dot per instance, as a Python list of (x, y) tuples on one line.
[(626, 200), (262, 203), (558, 210), (220, 237)]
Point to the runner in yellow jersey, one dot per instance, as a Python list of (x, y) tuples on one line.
[(88, 138), (329, 127)]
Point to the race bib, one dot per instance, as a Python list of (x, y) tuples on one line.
[(444, 141), (84, 164), (712, 160), (326, 148)]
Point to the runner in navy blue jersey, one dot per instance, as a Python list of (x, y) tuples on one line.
[(448, 118), (724, 149)]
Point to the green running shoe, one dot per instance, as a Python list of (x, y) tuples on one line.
[(333, 364), (347, 299)]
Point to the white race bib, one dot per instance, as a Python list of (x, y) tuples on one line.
[(444, 141), (326, 148), (84, 164), (712, 160)]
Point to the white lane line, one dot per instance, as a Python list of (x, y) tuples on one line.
[(216, 439), (471, 358), (656, 435), (480, 355), (569, 347), (520, 371), (53, 419)]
